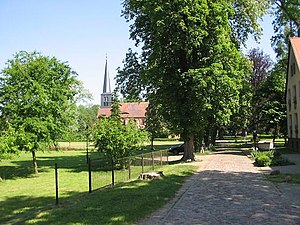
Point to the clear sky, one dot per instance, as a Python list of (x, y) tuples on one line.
[(79, 32)]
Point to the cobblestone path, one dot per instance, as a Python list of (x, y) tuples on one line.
[(227, 189)]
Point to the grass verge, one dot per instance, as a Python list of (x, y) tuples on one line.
[(282, 178), (122, 204)]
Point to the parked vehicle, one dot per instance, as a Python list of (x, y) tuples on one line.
[(177, 149)]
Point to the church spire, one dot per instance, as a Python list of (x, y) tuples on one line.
[(106, 84), (106, 96)]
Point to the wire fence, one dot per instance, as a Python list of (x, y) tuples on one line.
[(106, 172)]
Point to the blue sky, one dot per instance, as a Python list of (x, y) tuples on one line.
[(80, 32)]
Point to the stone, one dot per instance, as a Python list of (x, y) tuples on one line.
[(275, 172), (288, 179), (151, 176)]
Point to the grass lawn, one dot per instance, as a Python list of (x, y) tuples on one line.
[(25, 196), (281, 178)]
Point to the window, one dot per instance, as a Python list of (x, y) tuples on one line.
[(289, 100), (293, 69), (291, 126), (296, 124), (295, 97)]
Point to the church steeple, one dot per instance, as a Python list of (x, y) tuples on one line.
[(106, 84), (106, 96)]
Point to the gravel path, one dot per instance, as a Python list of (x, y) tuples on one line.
[(228, 189)]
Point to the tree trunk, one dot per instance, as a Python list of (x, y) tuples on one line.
[(221, 133), (214, 135), (206, 138), (35, 167), (275, 133), (152, 141), (189, 149)]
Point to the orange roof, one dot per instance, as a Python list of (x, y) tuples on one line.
[(295, 44), (128, 110)]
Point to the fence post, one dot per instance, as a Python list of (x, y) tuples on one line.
[(142, 163), (90, 174), (112, 172), (167, 158), (152, 156), (129, 169), (161, 158), (56, 184)]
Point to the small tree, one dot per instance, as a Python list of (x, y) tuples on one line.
[(116, 139), (37, 97)]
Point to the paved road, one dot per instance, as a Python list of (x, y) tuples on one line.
[(228, 189)]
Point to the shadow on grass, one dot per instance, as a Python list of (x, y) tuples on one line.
[(24, 168), (131, 202), (125, 202)]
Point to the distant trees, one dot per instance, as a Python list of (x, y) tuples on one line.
[(37, 102)]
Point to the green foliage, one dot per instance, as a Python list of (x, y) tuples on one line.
[(263, 160), (37, 101), (128, 79), (245, 20), (116, 139), (269, 158), (194, 71), (286, 24)]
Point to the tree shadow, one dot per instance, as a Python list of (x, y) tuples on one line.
[(24, 168), (17, 209), (227, 197), (113, 205)]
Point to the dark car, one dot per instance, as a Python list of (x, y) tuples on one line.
[(177, 149)]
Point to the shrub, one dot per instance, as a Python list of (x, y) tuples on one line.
[(269, 158), (263, 160)]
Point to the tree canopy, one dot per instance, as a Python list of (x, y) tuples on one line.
[(37, 100), (194, 70)]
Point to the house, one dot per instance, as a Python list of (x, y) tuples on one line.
[(129, 110), (293, 93)]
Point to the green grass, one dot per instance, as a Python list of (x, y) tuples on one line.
[(24, 195), (281, 178), (119, 205), (22, 191)]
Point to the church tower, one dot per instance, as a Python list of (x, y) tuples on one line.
[(106, 96)]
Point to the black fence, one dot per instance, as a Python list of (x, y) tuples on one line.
[(105, 172)]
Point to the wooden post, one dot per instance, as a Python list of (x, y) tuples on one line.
[(142, 163), (56, 184), (129, 169), (112, 173), (152, 156), (90, 174)]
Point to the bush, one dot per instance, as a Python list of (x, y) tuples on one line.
[(269, 158), (263, 160)]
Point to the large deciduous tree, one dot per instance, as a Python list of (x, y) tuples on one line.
[(193, 68), (261, 66), (37, 96)]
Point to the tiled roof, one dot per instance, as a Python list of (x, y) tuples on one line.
[(295, 44), (128, 110)]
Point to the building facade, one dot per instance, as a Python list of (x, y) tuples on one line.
[(129, 110), (293, 94)]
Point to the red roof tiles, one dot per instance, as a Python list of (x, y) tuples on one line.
[(295, 44), (128, 110)]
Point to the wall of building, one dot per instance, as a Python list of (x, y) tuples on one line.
[(293, 102)]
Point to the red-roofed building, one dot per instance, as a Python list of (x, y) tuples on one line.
[(130, 110), (293, 93)]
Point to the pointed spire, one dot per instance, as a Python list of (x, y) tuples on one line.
[(106, 84)]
